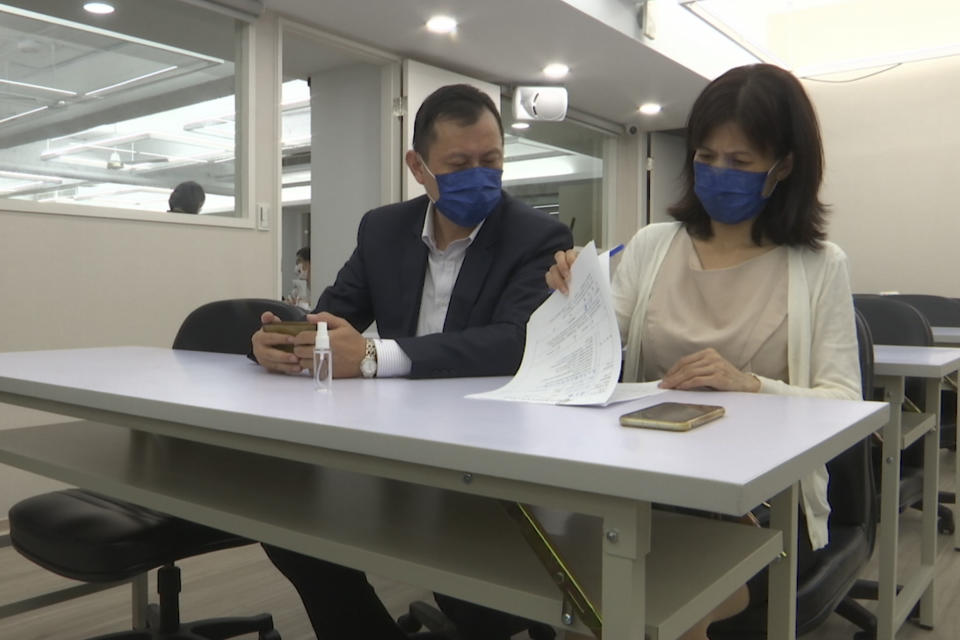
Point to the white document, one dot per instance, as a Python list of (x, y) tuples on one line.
[(572, 353)]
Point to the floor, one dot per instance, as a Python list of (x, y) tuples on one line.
[(242, 581)]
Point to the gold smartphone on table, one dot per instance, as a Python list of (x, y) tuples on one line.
[(289, 328), (673, 416)]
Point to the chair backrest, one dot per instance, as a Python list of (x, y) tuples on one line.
[(893, 321), (939, 311), (225, 326), (852, 490), (865, 347)]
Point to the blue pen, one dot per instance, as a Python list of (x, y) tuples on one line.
[(617, 249)]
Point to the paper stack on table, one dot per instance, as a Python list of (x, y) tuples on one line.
[(573, 352)]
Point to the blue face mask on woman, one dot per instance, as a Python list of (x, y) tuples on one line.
[(730, 196), (468, 196)]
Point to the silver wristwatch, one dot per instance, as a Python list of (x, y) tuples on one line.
[(368, 366)]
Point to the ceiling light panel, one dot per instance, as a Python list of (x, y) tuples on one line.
[(442, 25), (556, 70), (812, 37), (98, 8)]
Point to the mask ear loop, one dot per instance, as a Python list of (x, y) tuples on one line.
[(423, 163), (771, 182)]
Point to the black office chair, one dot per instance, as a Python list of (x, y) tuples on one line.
[(94, 538), (895, 322), (825, 587)]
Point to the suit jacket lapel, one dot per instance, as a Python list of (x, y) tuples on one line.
[(473, 272)]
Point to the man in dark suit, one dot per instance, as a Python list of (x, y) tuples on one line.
[(450, 279)]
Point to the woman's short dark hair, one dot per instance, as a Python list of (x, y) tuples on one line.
[(303, 254), (774, 112), (462, 103)]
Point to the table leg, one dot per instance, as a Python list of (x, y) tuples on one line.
[(782, 589), (889, 510), (139, 590), (931, 485), (956, 477), (625, 547)]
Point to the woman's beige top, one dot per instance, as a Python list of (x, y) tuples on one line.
[(740, 311)]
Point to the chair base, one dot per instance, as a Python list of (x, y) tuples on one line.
[(857, 614), (213, 629), (163, 620), (422, 615)]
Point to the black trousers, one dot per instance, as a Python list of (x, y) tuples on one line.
[(341, 604)]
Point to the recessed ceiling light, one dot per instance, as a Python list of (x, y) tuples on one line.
[(556, 70), (99, 8), (520, 125), (650, 108), (441, 24)]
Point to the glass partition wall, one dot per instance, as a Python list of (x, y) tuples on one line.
[(115, 111)]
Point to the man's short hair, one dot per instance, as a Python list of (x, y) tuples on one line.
[(304, 254), (462, 103), (187, 197)]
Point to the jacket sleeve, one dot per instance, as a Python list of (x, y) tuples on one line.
[(834, 352), (493, 348)]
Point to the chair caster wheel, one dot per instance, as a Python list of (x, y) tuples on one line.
[(273, 634)]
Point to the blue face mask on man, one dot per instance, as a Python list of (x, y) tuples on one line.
[(468, 196), (730, 196)]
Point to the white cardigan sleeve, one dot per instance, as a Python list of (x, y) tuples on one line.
[(834, 354)]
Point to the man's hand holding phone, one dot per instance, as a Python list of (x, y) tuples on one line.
[(273, 348), (287, 347)]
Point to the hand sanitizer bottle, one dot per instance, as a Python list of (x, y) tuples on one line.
[(322, 359)]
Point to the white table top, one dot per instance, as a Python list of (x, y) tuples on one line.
[(921, 362), (946, 335), (762, 445)]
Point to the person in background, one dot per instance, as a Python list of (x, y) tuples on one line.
[(186, 197), (451, 279), (743, 292), (300, 294)]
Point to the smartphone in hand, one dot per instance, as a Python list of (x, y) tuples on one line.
[(289, 328)]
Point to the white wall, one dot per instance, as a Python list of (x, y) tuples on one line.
[(668, 151), (76, 281), (71, 281), (892, 146), (346, 109)]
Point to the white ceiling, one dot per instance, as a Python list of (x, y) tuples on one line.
[(508, 42), (814, 37)]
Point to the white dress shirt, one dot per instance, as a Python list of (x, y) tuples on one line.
[(443, 267)]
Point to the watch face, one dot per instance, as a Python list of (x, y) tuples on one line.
[(368, 367)]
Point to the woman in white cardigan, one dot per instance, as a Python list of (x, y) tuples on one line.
[(743, 293)]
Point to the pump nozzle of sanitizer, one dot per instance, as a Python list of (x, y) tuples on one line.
[(322, 359)]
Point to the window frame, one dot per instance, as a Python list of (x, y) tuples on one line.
[(243, 217)]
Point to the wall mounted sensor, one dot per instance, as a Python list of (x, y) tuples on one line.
[(540, 103)]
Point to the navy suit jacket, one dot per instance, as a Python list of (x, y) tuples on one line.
[(500, 283)]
